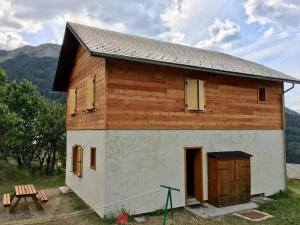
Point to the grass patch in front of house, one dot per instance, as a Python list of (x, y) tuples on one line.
[(286, 205), (39, 181), (285, 208)]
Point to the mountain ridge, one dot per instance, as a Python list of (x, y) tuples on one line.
[(36, 64)]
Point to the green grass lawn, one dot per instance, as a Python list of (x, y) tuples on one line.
[(11, 176), (39, 181)]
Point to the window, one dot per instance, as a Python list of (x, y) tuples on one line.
[(90, 93), (77, 160), (261, 92), (93, 158), (195, 95), (72, 101)]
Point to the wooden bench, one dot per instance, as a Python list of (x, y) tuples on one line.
[(41, 195), (6, 200)]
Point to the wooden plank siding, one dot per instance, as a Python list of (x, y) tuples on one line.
[(144, 96), (87, 66)]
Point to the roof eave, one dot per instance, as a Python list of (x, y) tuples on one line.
[(97, 54)]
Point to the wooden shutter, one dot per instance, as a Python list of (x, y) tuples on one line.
[(79, 161), (191, 94), (201, 94), (72, 101), (90, 93)]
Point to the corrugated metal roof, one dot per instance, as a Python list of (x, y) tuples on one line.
[(107, 43)]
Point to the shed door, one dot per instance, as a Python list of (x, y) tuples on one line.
[(226, 182), (243, 180)]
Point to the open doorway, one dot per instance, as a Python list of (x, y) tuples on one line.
[(193, 175)]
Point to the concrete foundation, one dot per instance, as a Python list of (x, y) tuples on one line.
[(132, 164)]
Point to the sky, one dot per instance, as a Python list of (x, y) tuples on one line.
[(263, 31)]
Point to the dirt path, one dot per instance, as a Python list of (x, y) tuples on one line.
[(59, 206), (50, 218)]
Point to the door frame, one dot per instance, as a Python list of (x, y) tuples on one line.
[(193, 148)]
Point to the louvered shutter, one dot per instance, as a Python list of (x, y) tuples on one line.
[(201, 95), (191, 94), (79, 161), (90, 93), (72, 101)]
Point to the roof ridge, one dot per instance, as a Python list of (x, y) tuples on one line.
[(113, 44)]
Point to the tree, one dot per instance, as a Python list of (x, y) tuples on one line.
[(8, 119), (32, 127), (51, 130), (24, 100)]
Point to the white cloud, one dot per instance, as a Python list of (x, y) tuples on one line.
[(186, 20), (10, 40), (10, 22), (283, 13), (284, 35), (222, 35), (269, 32), (49, 17), (296, 107), (175, 37), (83, 18)]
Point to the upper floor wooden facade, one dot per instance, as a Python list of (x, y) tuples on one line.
[(134, 95)]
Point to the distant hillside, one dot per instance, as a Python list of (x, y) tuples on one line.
[(293, 136), (36, 64)]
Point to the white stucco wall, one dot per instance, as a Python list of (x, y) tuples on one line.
[(89, 187), (138, 161)]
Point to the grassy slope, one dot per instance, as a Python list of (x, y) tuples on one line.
[(39, 181), (285, 209), (11, 176)]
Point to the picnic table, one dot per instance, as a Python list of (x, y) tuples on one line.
[(24, 191)]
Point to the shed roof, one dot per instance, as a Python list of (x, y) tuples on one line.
[(228, 154), (105, 43)]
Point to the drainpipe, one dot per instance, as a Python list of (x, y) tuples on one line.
[(284, 129)]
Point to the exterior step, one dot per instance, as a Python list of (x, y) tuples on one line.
[(192, 201)]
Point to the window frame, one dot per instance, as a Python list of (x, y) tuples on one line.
[(74, 158), (196, 95), (93, 154), (258, 94), (77, 158)]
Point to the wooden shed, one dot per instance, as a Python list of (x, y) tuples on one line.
[(229, 179)]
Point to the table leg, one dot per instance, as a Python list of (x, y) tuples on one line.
[(12, 197), (37, 203), (13, 207)]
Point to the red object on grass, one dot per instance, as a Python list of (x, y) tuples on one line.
[(122, 219)]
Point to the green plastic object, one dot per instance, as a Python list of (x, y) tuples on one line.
[(169, 199)]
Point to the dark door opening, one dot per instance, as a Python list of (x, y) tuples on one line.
[(193, 173), (190, 173)]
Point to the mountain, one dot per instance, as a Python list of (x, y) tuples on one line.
[(292, 136), (34, 63)]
